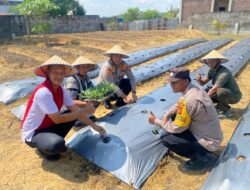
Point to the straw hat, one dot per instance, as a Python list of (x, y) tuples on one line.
[(116, 50), (85, 61), (42, 69), (214, 55)]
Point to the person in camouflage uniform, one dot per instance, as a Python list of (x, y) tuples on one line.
[(79, 82)]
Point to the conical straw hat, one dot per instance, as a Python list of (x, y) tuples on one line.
[(42, 70), (116, 50), (214, 55), (85, 61)]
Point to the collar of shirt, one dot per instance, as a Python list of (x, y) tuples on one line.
[(216, 69), (189, 86)]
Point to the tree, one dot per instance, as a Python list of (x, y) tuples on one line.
[(131, 14), (171, 14), (66, 7), (37, 9), (40, 9), (150, 14), (25, 10), (78, 9), (219, 25)]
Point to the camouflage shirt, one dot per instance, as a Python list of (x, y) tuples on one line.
[(75, 85)]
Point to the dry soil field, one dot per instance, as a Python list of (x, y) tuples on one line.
[(22, 168)]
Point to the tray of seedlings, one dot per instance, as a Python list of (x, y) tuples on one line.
[(99, 92)]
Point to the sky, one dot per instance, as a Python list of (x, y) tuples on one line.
[(106, 8)]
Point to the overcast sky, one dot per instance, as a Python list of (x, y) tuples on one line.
[(116, 7)]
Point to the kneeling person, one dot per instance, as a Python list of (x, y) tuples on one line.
[(225, 90), (195, 132), (113, 71), (79, 82), (43, 126)]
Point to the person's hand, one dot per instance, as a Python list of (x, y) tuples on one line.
[(100, 129), (90, 104), (128, 100), (134, 97), (82, 114), (151, 118), (165, 118), (198, 77), (88, 108), (96, 103), (83, 103)]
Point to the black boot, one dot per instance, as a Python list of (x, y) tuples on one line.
[(53, 157), (201, 162), (120, 102)]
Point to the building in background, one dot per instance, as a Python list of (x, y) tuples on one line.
[(191, 7), (5, 6), (200, 14)]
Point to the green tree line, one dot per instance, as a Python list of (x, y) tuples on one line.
[(135, 14)]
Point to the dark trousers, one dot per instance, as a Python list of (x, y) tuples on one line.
[(125, 86), (224, 97), (51, 140), (183, 144)]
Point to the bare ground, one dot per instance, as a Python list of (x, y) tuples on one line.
[(21, 168)]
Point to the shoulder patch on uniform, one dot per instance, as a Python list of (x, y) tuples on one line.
[(180, 106), (182, 118)]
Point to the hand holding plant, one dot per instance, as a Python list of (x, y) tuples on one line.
[(100, 129), (134, 97), (151, 118), (128, 100)]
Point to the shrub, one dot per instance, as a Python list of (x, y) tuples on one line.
[(219, 25)]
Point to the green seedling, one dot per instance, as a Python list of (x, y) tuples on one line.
[(155, 131), (99, 92)]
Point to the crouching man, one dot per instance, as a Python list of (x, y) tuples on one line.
[(114, 71), (195, 131), (225, 90), (43, 126)]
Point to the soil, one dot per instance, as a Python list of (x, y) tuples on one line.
[(22, 168)]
